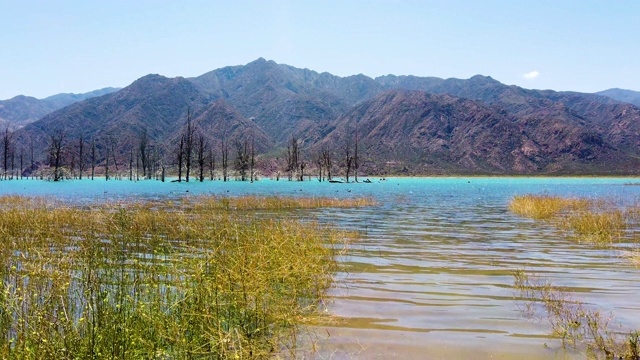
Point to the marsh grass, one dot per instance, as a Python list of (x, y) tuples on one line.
[(572, 321), (596, 227), (185, 279), (275, 203), (594, 221), (545, 207)]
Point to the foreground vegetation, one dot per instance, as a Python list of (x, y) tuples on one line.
[(574, 322), (593, 221), (185, 279)]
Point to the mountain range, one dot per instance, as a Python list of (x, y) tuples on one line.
[(404, 124), (22, 110)]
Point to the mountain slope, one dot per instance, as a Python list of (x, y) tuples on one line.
[(283, 100), (628, 96), (155, 104), (428, 133), (22, 110)]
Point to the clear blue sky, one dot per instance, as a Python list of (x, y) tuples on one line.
[(50, 47)]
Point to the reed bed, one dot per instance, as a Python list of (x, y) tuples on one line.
[(596, 227), (594, 221), (276, 203), (544, 207), (158, 280)]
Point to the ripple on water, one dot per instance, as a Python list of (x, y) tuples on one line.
[(438, 265)]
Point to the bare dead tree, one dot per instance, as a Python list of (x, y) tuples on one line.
[(252, 163), (131, 164), (356, 161), (81, 159), (13, 162), (293, 155), (303, 164), (201, 145), (31, 153), (320, 164), (225, 158), (143, 153), (327, 159), (212, 162), (242, 159), (180, 157), (21, 161), (347, 160), (188, 144), (56, 161), (106, 167), (7, 142), (93, 157), (112, 143)]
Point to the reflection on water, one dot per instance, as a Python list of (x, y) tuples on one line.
[(432, 277)]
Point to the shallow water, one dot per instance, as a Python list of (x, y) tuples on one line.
[(432, 277)]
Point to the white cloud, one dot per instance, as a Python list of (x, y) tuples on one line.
[(531, 75)]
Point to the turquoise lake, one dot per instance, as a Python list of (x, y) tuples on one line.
[(432, 275)]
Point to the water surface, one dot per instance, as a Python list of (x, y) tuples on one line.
[(432, 276)]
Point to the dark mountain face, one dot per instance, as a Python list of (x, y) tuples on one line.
[(628, 96), (405, 123), (428, 133), (22, 110), (221, 122), (154, 104), (286, 101)]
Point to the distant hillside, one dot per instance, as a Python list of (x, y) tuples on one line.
[(153, 103), (417, 132), (22, 110), (628, 96), (406, 124)]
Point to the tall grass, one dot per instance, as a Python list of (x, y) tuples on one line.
[(596, 227), (543, 207), (594, 221), (276, 203), (157, 280)]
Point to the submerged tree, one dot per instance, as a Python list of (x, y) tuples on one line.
[(93, 157), (144, 154), (293, 157), (7, 145), (347, 160), (201, 145), (252, 162), (225, 157), (188, 144), (81, 159), (56, 147), (327, 160), (356, 161), (180, 157), (212, 162), (242, 159)]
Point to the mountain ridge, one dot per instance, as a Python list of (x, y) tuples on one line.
[(493, 128)]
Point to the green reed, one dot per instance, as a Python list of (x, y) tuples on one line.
[(185, 279)]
